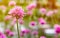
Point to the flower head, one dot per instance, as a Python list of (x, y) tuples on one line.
[(17, 12), (43, 10), (12, 3)]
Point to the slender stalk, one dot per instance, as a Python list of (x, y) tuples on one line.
[(18, 29)]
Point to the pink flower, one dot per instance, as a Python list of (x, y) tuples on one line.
[(8, 18), (21, 34), (7, 31), (21, 21), (17, 12), (13, 22), (55, 11), (31, 6), (11, 34), (29, 13), (32, 23), (43, 10), (42, 37), (57, 28), (49, 13), (3, 7), (2, 35), (41, 21), (35, 32), (12, 3)]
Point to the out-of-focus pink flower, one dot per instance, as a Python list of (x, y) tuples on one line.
[(33, 23), (21, 21), (55, 11), (35, 32), (29, 13), (43, 10), (21, 34), (7, 31), (11, 34), (49, 13), (17, 12), (41, 21), (31, 6), (57, 28), (42, 37), (3, 7), (12, 3), (2, 35), (13, 22), (8, 18)]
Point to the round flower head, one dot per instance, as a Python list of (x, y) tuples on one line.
[(32, 23), (31, 6), (42, 37), (49, 13), (12, 3), (43, 10), (11, 34), (35, 32), (41, 21), (7, 31), (17, 12), (57, 28)]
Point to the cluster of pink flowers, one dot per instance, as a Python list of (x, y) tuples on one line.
[(17, 12)]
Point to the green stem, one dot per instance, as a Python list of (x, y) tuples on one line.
[(18, 29)]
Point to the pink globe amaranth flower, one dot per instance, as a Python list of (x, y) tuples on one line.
[(41, 21), (31, 6), (29, 13), (21, 21), (11, 34), (8, 18), (32, 23), (12, 3), (35, 32), (17, 12), (43, 10), (42, 37), (57, 28), (49, 13)]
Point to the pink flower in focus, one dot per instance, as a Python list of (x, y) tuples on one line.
[(42, 37), (12, 3), (49, 13), (17, 12), (43, 10), (31, 6), (41, 21), (32, 23)]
